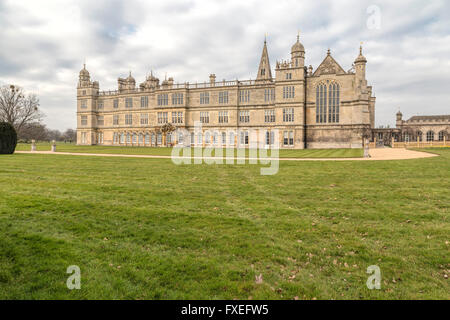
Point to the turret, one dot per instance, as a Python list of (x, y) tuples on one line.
[(399, 121), (86, 87), (84, 79), (298, 54), (151, 82), (360, 73), (126, 84), (360, 65), (292, 69)]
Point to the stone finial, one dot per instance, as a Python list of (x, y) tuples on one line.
[(53, 146), (33, 145)]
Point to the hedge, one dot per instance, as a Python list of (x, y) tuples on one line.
[(8, 138)]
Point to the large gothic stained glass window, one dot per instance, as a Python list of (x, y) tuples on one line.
[(327, 103)]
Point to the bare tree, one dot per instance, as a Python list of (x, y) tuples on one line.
[(70, 135), (34, 130), (18, 108), (54, 135)]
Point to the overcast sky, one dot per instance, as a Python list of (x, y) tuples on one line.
[(44, 44)]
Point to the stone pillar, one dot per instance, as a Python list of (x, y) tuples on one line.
[(33, 145), (53, 146), (393, 141)]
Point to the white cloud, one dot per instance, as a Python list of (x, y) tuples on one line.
[(44, 44)]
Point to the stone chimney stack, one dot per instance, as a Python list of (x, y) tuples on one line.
[(170, 82), (212, 79)]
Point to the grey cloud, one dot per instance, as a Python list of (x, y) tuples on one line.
[(408, 63)]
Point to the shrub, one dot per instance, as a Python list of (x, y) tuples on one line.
[(8, 138)]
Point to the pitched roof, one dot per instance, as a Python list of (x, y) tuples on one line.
[(430, 118), (329, 66)]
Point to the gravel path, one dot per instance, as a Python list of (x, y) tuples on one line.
[(375, 154)]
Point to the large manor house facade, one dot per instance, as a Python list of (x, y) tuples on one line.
[(323, 108)]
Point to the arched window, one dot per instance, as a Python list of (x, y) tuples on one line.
[(159, 138), (327, 102), (441, 135), (231, 141), (122, 138), (430, 135), (419, 135), (406, 137), (128, 138), (147, 138), (141, 138), (134, 138)]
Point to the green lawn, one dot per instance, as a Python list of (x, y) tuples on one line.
[(148, 229), (309, 153)]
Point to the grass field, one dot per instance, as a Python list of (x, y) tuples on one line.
[(148, 229), (284, 153)]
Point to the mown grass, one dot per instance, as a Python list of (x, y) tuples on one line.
[(161, 151), (149, 229)]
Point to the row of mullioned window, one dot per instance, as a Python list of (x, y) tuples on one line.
[(223, 116), (177, 98), (144, 102), (207, 138), (288, 92), (288, 115), (129, 119), (430, 135), (327, 100), (204, 117), (163, 99), (244, 116), (223, 97), (244, 96), (204, 97), (162, 117), (269, 115), (269, 95), (177, 117)]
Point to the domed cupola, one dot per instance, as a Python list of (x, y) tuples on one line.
[(297, 47), (130, 79), (84, 74), (360, 58), (298, 54)]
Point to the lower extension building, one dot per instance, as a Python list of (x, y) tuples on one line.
[(323, 108), (429, 128)]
